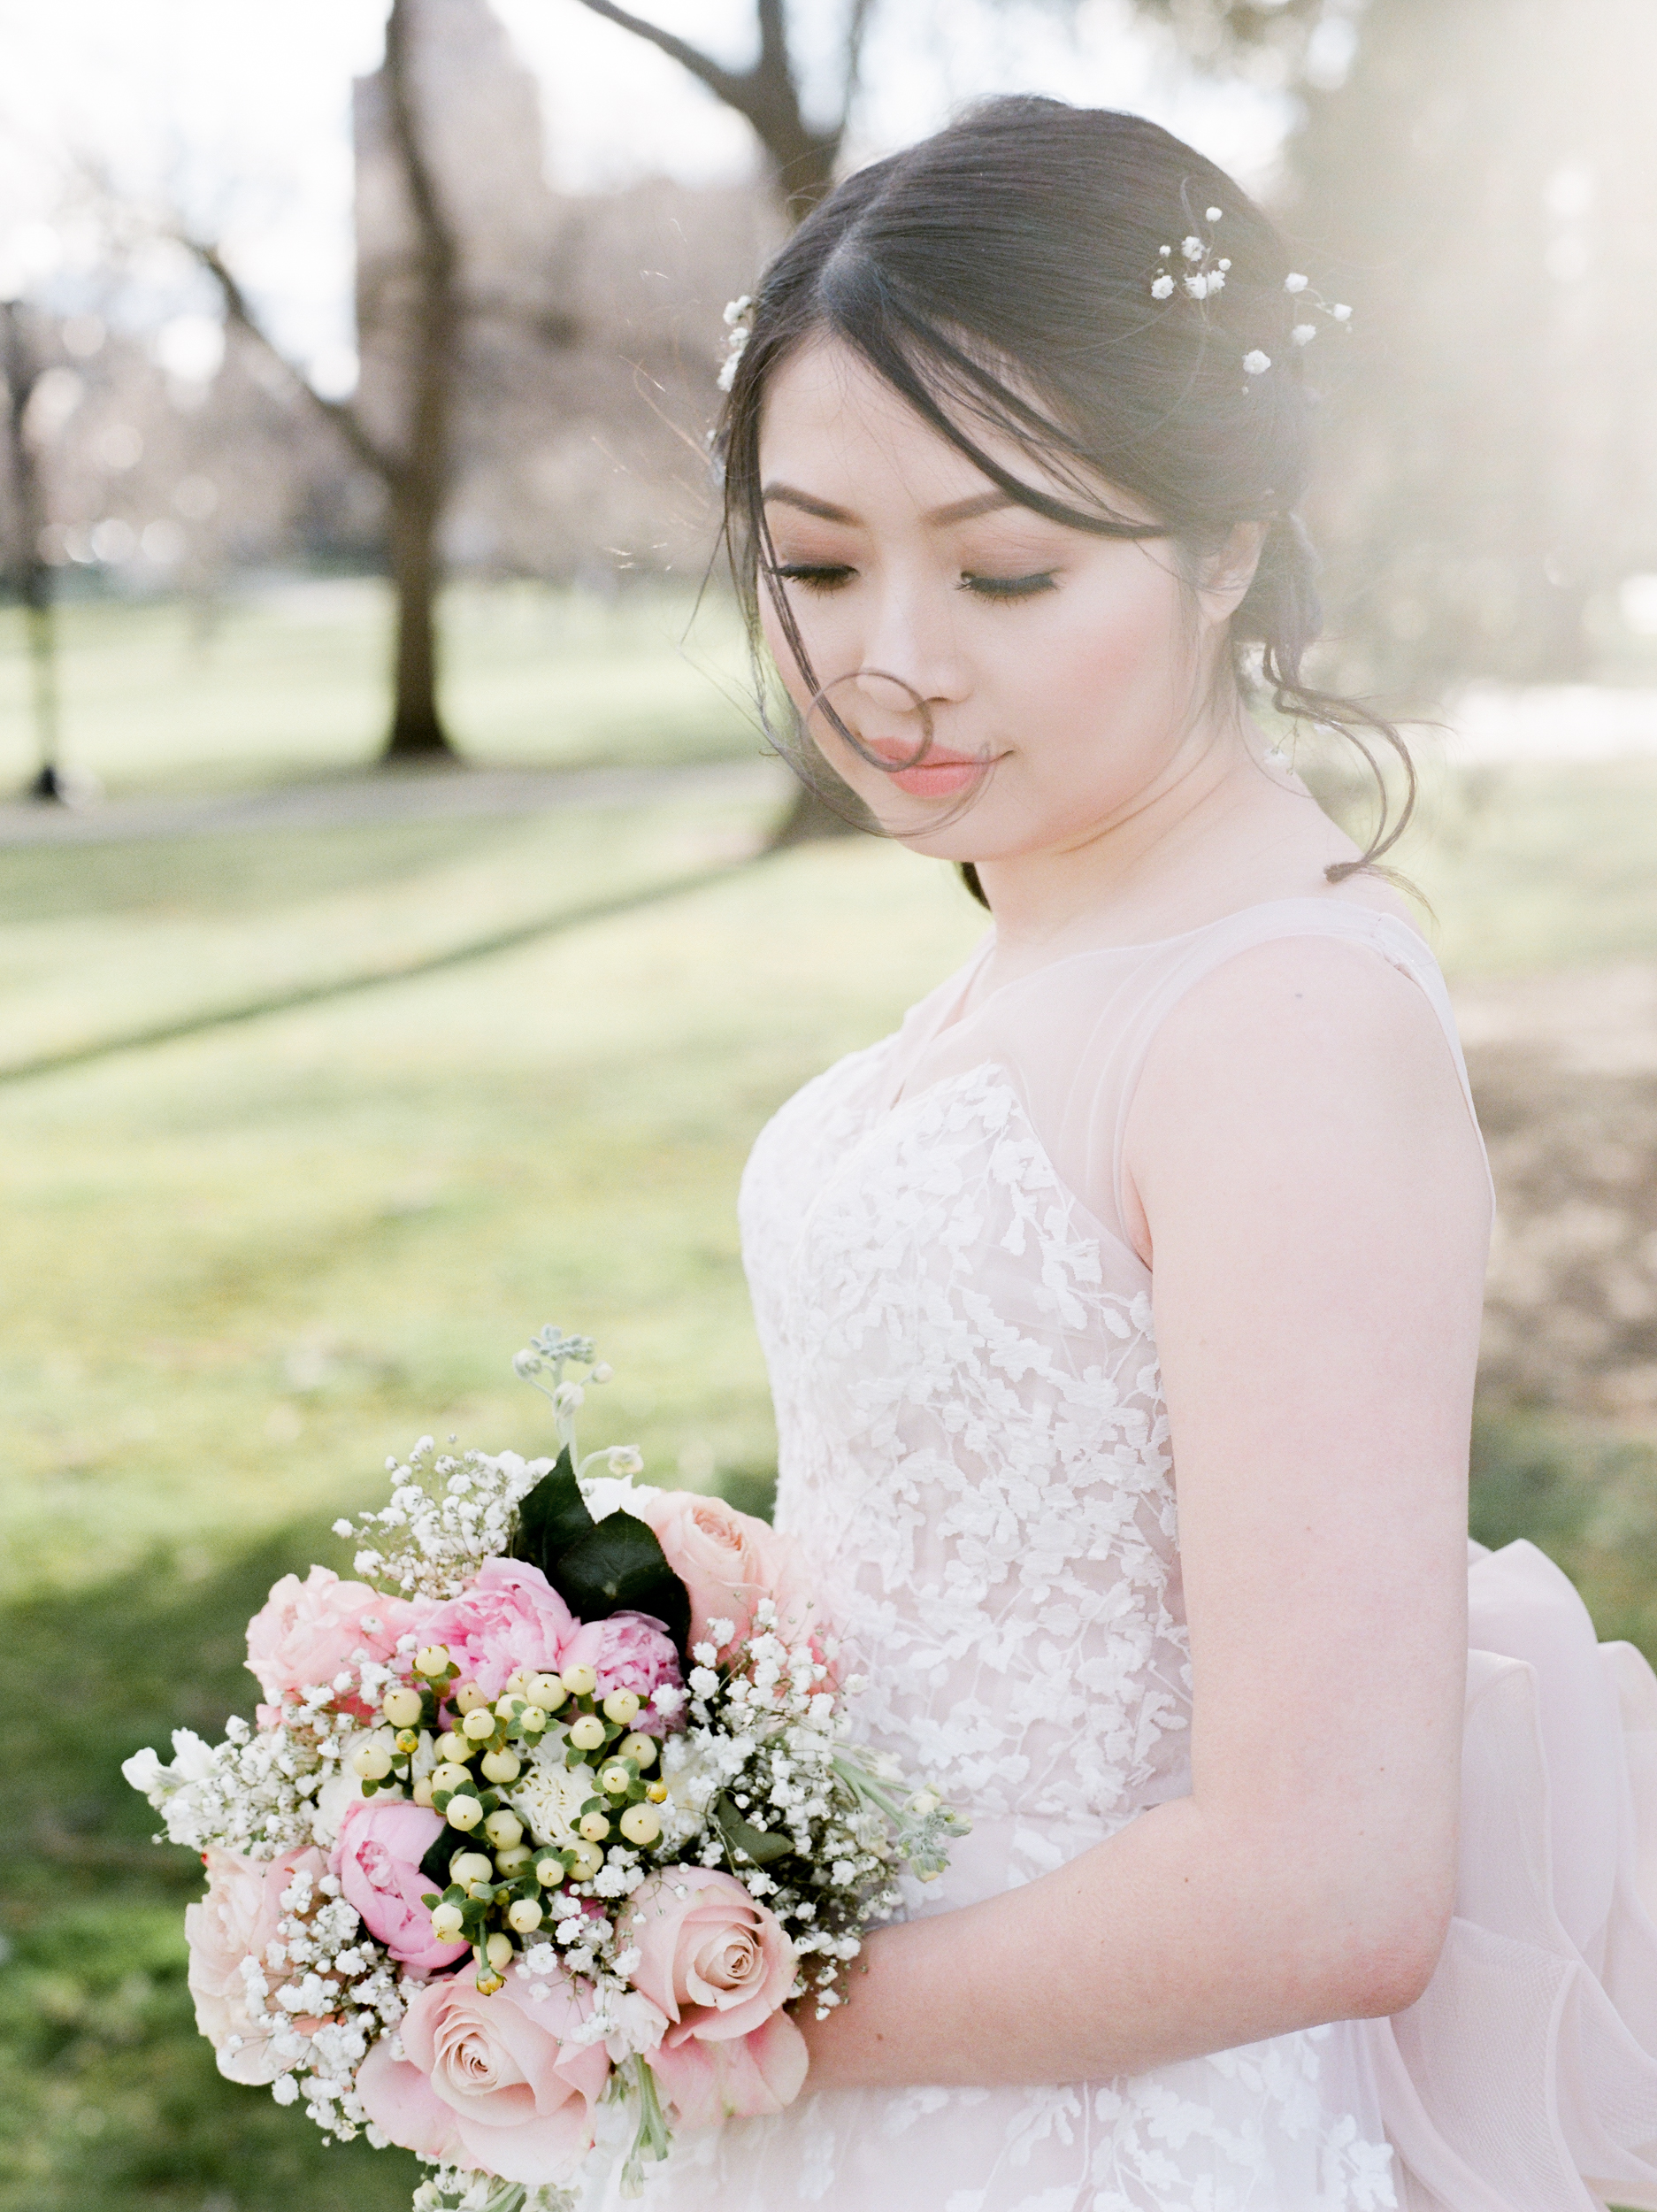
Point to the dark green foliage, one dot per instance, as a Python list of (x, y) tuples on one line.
[(598, 1567)]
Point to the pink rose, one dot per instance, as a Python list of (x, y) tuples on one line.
[(308, 1631), (490, 2082), (710, 1957), (509, 1617), (629, 1651), (727, 1561), (382, 1840), (236, 1920), (760, 2072)]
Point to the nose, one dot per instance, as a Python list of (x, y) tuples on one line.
[(911, 657)]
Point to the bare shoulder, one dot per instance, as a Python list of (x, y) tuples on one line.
[(1306, 1063)]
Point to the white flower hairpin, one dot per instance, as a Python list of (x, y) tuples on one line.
[(1193, 271), (739, 323)]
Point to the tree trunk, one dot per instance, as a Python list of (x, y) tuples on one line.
[(418, 486), (416, 727), (34, 575)]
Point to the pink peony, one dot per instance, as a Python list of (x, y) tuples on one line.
[(509, 1617), (308, 1631), (759, 2072), (236, 1920), (629, 1651), (710, 1957), (727, 1561), (490, 2082), (382, 1840)]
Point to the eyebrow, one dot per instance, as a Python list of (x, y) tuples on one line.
[(958, 510)]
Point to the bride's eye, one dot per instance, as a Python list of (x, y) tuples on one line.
[(1008, 587), (814, 575)]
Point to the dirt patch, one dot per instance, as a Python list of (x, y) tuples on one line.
[(1564, 1069)]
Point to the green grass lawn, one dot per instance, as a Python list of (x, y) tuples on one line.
[(288, 679), (240, 1269)]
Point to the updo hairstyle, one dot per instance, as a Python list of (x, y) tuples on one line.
[(998, 276)]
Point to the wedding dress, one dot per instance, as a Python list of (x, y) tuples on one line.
[(976, 1460)]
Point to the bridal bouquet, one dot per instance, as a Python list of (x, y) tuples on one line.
[(541, 1827)]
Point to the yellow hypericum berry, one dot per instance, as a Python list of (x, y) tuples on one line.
[(515, 1857), (640, 1749), (408, 1740), (623, 1705), (588, 1733), (502, 1766), (449, 1746), (423, 1791), (525, 1916), (448, 1776), (503, 1706), (549, 1872), (467, 1867), (402, 1705), (641, 1824), (588, 1859), (498, 1950), (431, 1660), (504, 1830), (464, 1812), (579, 1681), (478, 1724), (468, 1697), (517, 1681), (616, 1781), (533, 1719), (373, 1761), (594, 1827), (656, 1791), (445, 1922), (547, 1690), (489, 1983)]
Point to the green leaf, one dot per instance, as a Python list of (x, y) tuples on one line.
[(551, 1518), (620, 1567), (761, 1847)]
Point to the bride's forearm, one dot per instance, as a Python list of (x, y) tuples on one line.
[(1180, 1935)]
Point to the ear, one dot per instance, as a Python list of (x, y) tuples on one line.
[(1228, 572)]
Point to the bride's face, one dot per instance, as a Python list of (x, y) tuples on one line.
[(1061, 671)]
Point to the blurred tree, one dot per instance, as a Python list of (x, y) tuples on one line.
[(414, 467), (1483, 186), (22, 367)]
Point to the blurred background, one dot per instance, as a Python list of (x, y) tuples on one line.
[(402, 931)]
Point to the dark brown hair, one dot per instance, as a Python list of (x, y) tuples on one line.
[(1000, 273)]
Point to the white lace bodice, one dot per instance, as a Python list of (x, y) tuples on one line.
[(975, 1458)]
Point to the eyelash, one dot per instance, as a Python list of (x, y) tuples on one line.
[(826, 578)]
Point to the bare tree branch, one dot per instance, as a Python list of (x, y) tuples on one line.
[(239, 313), (725, 84)]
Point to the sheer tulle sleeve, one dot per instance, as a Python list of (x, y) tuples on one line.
[(1525, 2078)]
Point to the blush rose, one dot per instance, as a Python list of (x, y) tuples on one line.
[(306, 1632), (236, 1920), (490, 2082), (509, 1617), (758, 2072), (710, 1957), (728, 1562), (382, 1840)]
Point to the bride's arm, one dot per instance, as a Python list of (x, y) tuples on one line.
[(1317, 1214)]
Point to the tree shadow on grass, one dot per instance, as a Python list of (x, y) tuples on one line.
[(108, 2098)]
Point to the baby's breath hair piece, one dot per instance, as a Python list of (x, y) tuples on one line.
[(1299, 289), (738, 322)]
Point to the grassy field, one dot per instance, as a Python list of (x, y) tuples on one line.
[(287, 679), (241, 1268)]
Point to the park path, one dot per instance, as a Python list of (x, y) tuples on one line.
[(403, 794)]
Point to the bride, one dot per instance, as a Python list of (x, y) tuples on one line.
[(1121, 1309)]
